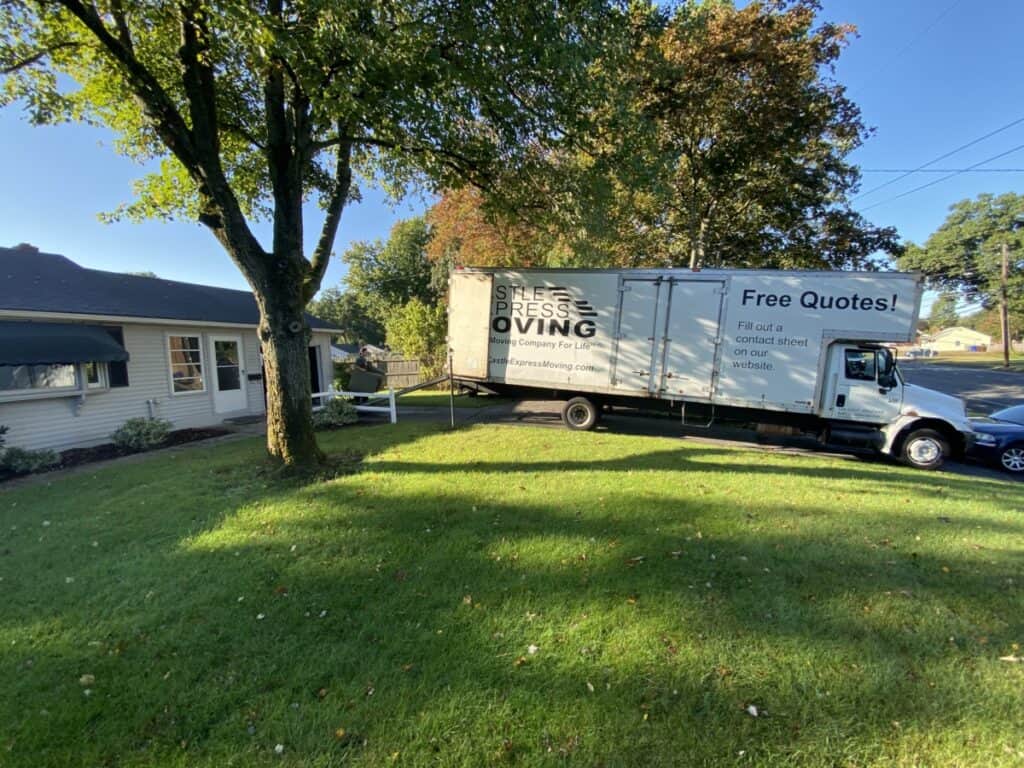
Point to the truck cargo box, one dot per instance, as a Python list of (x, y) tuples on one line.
[(746, 338)]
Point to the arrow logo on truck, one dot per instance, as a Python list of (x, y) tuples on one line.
[(583, 308)]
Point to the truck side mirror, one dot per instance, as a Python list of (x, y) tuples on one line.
[(886, 369)]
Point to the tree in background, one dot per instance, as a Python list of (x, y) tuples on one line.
[(419, 330), (749, 139), (244, 111), (943, 313), (401, 291), (385, 275), (965, 255), (343, 309), (722, 142)]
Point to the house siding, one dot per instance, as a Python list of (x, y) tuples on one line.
[(66, 422)]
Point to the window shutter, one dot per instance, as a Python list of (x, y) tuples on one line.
[(117, 373)]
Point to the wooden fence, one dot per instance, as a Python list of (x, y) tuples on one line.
[(399, 372)]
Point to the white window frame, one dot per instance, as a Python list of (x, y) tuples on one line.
[(101, 374), (170, 363), (41, 393)]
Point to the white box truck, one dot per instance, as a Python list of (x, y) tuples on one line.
[(800, 350)]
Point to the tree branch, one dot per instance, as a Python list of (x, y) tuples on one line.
[(28, 61), (335, 206), (157, 105), (121, 22)]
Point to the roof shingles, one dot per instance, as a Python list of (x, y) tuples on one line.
[(32, 281)]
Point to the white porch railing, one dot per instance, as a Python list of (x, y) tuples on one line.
[(391, 408)]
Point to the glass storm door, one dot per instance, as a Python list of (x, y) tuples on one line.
[(228, 374)]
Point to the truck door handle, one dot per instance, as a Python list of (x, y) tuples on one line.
[(840, 401), (641, 373)]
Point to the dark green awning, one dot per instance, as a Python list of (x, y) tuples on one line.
[(51, 343)]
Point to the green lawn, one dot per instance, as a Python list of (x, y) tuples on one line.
[(188, 611), (988, 360)]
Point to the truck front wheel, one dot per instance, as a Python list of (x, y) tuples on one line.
[(581, 414), (924, 449)]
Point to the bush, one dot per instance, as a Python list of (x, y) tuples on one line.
[(342, 375), (141, 434), (19, 461), (3, 431), (337, 413)]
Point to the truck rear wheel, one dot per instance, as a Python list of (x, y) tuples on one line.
[(924, 449), (580, 414)]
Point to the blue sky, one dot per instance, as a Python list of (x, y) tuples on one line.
[(929, 77)]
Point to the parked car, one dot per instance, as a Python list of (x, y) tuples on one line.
[(999, 439)]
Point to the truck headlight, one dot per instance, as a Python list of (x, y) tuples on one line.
[(981, 438)]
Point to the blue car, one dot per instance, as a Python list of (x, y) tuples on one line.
[(1000, 439)]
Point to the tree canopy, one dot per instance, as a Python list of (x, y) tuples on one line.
[(723, 141), (344, 309), (964, 255), (244, 111), (943, 313)]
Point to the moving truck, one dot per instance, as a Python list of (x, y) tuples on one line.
[(796, 352)]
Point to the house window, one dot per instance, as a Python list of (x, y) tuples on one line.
[(186, 359), (95, 375), (20, 378)]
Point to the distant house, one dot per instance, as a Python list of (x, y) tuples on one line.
[(957, 339), (82, 351), (343, 353)]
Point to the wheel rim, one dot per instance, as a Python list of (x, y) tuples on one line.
[(579, 415), (924, 450), (1013, 459)]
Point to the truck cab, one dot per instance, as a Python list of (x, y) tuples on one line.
[(866, 400)]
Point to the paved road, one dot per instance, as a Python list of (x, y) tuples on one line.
[(984, 390)]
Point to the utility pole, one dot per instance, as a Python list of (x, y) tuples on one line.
[(1004, 310)]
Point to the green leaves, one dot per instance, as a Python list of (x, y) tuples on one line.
[(964, 255)]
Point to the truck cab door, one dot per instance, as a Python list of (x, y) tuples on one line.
[(862, 385)]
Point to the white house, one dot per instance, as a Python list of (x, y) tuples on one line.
[(957, 339), (82, 351)]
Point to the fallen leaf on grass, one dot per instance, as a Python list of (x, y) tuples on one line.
[(86, 680), (1012, 659), (532, 649), (632, 561), (752, 710)]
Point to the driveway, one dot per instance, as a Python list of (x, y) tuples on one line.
[(983, 389)]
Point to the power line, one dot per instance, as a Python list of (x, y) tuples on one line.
[(943, 170), (914, 41), (949, 176), (941, 157)]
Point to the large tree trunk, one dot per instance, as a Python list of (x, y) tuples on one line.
[(285, 336)]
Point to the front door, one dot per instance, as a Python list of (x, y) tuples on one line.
[(228, 374)]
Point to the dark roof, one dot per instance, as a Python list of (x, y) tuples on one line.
[(46, 343), (47, 282)]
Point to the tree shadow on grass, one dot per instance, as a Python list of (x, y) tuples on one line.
[(402, 612), (404, 616)]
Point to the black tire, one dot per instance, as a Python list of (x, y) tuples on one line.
[(580, 414), (1011, 459), (924, 449)]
